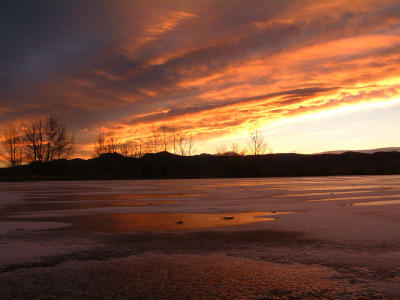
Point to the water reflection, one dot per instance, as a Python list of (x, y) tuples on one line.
[(374, 203), (354, 198), (164, 221)]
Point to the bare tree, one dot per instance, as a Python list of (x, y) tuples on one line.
[(111, 144), (64, 144), (133, 147), (57, 144), (34, 144), (256, 144), (130, 149), (190, 144), (47, 140), (139, 148), (105, 143), (12, 146), (147, 145), (154, 140), (124, 149), (100, 145), (182, 143), (51, 131), (235, 149), (174, 137), (165, 130), (221, 150), (185, 143)]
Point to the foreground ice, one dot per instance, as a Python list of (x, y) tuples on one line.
[(342, 230)]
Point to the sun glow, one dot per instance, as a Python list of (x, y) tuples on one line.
[(339, 110)]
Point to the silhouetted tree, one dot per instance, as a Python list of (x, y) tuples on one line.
[(174, 137), (190, 145), (165, 130), (12, 146), (124, 149), (105, 143), (185, 143), (154, 141), (57, 144), (100, 146), (47, 140), (111, 144), (256, 144), (133, 147), (147, 145), (233, 151), (235, 148), (221, 150), (34, 148), (182, 142), (137, 148)]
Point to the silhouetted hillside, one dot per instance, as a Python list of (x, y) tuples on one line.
[(167, 165), (370, 151)]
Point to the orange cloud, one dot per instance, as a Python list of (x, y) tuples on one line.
[(214, 68)]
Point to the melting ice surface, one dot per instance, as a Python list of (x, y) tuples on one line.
[(304, 204)]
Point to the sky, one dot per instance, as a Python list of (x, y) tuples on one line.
[(310, 75)]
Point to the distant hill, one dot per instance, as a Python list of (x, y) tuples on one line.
[(370, 151), (165, 165)]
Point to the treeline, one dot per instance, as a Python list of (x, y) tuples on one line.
[(256, 145), (45, 140), (38, 141), (168, 138), (173, 139), (164, 165), (40, 150)]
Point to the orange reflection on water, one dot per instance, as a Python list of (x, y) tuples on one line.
[(165, 221), (319, 194), (354, 198), (373, 203)]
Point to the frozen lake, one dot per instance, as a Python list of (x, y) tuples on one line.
[(266, 237)]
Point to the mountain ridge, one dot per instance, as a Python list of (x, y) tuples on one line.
[(369, 151), (165, 165)]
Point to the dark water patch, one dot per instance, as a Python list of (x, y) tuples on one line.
[(46, 206), (109, 197), (127, 244), (178, 277)]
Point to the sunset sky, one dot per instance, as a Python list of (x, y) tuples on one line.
[(313, 75)]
